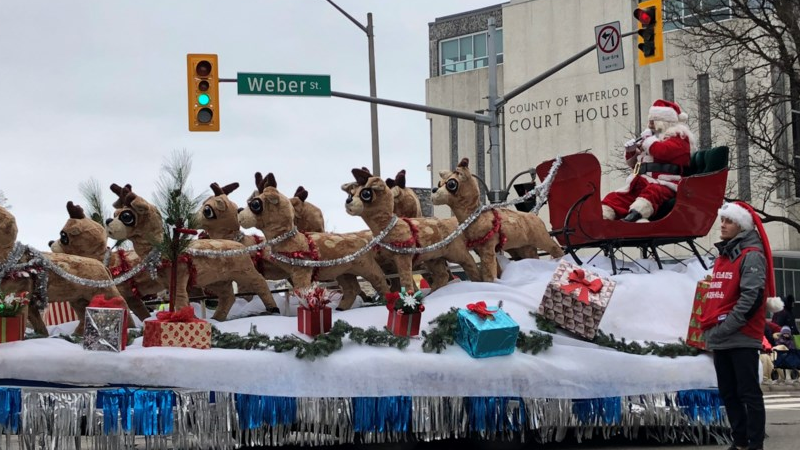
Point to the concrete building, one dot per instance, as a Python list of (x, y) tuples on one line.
[(574, 110)]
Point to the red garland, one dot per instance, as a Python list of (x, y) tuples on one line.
[(311, 254), (258, 256), (186, 259), (122, 268), (496, 228), (413, 241)]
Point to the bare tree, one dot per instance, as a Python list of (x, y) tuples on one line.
[(749, 51), (4, 200)]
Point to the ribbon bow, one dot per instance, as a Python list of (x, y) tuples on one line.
[(100, 301), (185, 314), (481, 310), (578, 282)]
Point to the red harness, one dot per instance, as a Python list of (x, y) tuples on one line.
[(186, 259), (413, 241), (311, 254), (496, 228), (123, 267)]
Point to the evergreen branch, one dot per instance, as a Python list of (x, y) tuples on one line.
[(534, 342), (91, 192), (543, 323), (443, 333), (649, 348)]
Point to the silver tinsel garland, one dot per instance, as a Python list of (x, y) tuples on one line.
[(69, 419), (242, 251)]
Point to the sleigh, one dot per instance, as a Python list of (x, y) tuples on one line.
[(577, 221)]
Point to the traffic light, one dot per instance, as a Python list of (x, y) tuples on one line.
[(651, 36), (522, 189), (203, 84)]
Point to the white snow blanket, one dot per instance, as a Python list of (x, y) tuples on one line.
[(653, 307)]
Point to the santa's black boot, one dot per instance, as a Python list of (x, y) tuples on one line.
[(632, 216)]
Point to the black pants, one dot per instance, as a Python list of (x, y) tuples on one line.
[(739, 387)]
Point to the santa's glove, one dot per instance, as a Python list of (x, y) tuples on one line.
[(646, 133), (630, 145), (648, 142)]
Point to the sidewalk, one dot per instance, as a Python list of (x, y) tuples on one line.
[(785, 386)]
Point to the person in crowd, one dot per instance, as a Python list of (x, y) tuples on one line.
[(657, 158), (785, 317), (735, 317), (785, 339)]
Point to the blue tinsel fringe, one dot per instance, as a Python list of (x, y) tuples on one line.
[(10, 408)]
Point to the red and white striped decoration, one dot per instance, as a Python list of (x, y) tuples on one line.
[(59, 312)]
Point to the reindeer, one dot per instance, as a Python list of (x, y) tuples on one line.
[(273, 214), (406, 202), (307, 216), (370, 198), (141, 222), (58, 289), (521, 234), (83, 236)]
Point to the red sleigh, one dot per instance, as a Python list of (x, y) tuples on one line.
[(576, 217)]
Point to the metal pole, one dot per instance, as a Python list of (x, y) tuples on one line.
[(413, 106), (495, 193), (373, 108)]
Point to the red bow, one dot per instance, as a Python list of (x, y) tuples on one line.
[(100, 301), (578, 281), (480, 309), (185, 314)]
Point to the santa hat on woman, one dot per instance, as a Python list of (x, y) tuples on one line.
[(666, 111), (743, 215)]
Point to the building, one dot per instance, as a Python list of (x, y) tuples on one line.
[(575, 109)]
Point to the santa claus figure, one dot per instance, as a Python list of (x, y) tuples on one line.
[(658, 158)]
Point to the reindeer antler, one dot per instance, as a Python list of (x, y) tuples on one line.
[(75, 211), (361, 175), (464, 163), (216, 189), (121, 193), (270, 181), (390, 183), (401, 179), (227, 189), (301, 193)]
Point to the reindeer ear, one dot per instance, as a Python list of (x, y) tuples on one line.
[(227, 189), (220, 204), (361, 175), (301, 193), (401, 179), (137, 203), (216, 189), (444, 174), (270, 181), (272, 197), (390, 183), (348, 187), (464, 163)]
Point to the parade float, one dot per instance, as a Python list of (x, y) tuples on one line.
[(549, 348)]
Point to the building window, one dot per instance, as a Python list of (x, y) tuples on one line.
[(684, 13), (742, 141), (668, 90), (468, 52), (704, 110)]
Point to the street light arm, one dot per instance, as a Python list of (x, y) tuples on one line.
[(352, 19)]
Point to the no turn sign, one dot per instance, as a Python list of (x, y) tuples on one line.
[(609, 50)]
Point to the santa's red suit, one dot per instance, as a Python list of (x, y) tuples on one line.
[(657, 162)]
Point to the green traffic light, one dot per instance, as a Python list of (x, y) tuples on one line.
[(203, 99)]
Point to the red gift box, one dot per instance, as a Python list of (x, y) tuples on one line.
[(694, 336), (12, 328), (402, 324), (313, 321), (177, 329)]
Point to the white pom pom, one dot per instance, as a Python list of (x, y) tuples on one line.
[(774, 304), (683, 117)]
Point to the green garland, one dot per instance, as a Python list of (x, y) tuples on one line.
[(444, 328), (635, 348), (321, 346)]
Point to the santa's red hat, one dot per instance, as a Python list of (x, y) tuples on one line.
[(743, 215), (666, 111)]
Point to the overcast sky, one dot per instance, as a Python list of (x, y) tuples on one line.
[(97, 89)]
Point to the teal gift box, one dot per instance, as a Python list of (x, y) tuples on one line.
[(484, 337)]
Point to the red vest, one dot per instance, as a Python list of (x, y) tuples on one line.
[(724, 293)]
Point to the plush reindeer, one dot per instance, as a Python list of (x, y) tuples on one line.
[(83, 236), (406, 202), (307, 216), (370, 198), (58, 289), (141, 222), (521, 234), (272, 213)]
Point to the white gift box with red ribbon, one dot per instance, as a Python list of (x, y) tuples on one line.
[(57, 313)]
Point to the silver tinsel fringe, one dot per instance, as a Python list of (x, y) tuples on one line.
[(72, 419)]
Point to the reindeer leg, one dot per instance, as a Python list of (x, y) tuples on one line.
[(37, 323), (301, 277), (350, 288), (439, 273), (137, 306), (464, 258), (79, 305), (404, 265), (223, 290), (488, 262), (254, 282)]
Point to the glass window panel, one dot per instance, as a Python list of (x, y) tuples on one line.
[(715, 4), (498, 42), (449, 51), (499, 59), (483, 62), (465, 50), (781, 290), (777, 262), (796, 286), (480, 45), (450, 68), (791, 263)]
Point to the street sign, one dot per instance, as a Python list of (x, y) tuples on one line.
[(283, 84), (609, 50)]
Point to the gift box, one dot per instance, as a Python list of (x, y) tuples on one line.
[(313, 321), (694, 336), (57, 313), (177, 329), (486, 331), (106, 324), (576, 299), (12, 328), (402, 324)]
